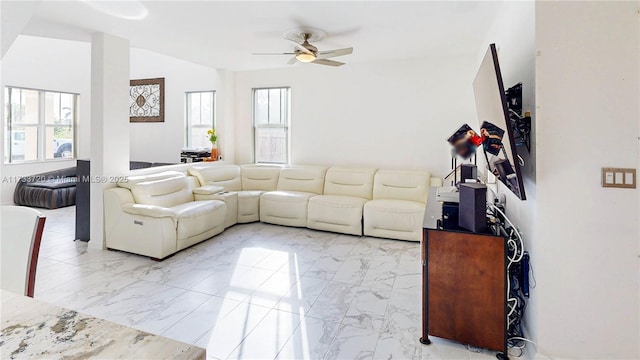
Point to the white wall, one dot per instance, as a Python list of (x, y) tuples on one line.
[(387, 115), (161, 142), (58, 65), (225, 115), (587, 80), (514, 35)]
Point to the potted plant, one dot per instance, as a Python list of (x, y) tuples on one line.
[(214, 148)]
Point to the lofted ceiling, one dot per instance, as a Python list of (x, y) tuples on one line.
[(224, 34)]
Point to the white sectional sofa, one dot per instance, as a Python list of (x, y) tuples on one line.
[(158, 214)]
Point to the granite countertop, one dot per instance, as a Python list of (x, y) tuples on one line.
[(33, 329)]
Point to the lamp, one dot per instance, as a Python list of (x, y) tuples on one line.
[(305, 58)]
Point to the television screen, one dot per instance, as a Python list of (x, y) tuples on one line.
[(491, 106)]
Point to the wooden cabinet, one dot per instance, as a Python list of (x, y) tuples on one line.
[(464, 288)]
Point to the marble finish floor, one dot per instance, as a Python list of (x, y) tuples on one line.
[(256, 291)]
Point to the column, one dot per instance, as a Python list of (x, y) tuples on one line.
[(109, 122)]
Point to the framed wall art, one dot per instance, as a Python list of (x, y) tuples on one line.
[(146, 100)]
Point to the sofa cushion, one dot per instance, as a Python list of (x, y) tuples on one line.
[(57, 183), (338, 202), (249, 206), (285, 207), (356, 182), (341, 214), (395, 219), (196, 217), (412, 185), (260, 177), (227, 176), (164, 192), (309, 179)]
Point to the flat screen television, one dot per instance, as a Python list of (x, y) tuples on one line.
[(499, 148)]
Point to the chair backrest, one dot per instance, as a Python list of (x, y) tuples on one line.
[(226, 175), (356, 182), (302, 178), (260, 177), (164, 192), (410, 185), (21, 232)]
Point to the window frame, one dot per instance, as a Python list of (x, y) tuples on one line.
[(187, 120), (286, 126), (41, 125)]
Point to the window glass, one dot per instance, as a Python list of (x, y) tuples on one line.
[(39, 125), (271, 125), (200, 118)]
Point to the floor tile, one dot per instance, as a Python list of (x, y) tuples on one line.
[(268, 337), (170, 312), (352, 343), (228, 332), (310, 340), (255, 291), (201, 320)]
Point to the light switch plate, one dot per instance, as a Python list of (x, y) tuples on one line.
[(619, 177)]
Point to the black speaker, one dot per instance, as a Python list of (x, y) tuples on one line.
[(468, 171), (473, 207)]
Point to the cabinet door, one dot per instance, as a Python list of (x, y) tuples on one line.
[(466, 288)]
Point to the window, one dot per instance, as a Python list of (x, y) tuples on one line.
[(271, 125), (39, 125), (200, 118)]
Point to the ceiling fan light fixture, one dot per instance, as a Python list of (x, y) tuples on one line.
[(305, 58)]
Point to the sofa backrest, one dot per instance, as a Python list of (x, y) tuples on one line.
[(227, 176), (260, 177), (163, 192), (302, 178), (130, 181), (356, 182), (410, 185)]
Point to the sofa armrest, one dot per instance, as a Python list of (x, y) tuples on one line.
[(436, 181), (208, 190), (148, 210)]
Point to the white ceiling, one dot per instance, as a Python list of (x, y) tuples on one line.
[(225, 34)]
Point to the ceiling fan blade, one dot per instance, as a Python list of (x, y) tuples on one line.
[(301, 48), (333, 53), (292, 61), (273, 53), (327, 62)]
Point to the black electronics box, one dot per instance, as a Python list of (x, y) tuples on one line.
[(450, 216), (473, 207)]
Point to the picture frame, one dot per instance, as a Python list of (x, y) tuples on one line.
[(146, 100)]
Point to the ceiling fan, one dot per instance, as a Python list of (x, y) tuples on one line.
[(307, 53)]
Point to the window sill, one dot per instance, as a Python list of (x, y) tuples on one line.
[(33, 162)]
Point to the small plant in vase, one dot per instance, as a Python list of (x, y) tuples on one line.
[(214, 148)]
